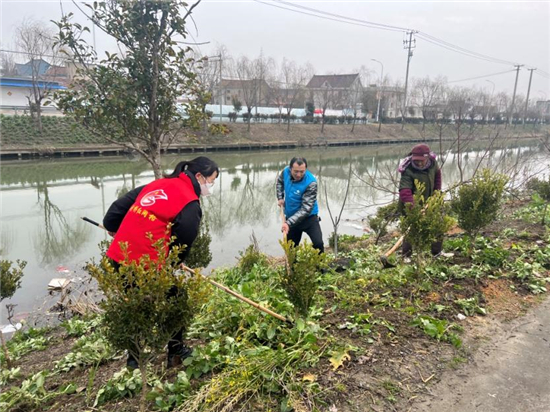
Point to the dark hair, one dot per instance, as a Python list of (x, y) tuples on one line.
[(201, 164), (299, 160)]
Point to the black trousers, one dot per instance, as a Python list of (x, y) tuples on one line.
[(311, 226), (407, 248)]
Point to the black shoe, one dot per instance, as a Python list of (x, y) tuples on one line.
[(176, 359), (131, 363)]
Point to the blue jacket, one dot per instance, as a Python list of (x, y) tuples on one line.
[(300, 196)]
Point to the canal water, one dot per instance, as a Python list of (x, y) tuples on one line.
[(43, 201)]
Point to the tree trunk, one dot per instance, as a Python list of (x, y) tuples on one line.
[(288, 124), (143, 398), (335, 241), (353, 124), (323, 124)]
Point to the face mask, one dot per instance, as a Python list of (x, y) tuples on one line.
[(207, 189)]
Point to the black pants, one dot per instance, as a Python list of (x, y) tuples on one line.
[(436, 248), (311, 226)]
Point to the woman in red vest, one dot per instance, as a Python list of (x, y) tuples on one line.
[(149, 209)]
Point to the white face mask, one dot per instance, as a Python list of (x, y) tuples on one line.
[(207, 189)]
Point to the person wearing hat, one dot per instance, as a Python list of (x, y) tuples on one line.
[(421, 165)]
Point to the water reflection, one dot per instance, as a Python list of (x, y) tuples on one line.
[(57, 239), (42, 201)]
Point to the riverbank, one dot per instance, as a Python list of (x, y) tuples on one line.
[(376, 339), (64, 138)]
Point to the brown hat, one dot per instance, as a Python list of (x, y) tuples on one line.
[(420, 152)]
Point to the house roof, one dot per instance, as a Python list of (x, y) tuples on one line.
[(26, 69), (334, 80), (26, 82)]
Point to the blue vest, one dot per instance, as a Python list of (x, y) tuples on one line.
[(295, 190)]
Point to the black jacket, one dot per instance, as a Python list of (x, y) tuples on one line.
[(185, 226)]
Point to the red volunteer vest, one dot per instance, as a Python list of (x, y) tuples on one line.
[(156, 206)]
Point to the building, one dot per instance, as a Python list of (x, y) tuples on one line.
[(14, 92), (256, 92), (335, 91)]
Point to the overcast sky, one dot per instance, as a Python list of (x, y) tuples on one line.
[(511, 31)]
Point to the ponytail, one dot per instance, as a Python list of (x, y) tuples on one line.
[(201, 164)]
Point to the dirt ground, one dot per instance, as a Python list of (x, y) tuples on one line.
[(509, 373)]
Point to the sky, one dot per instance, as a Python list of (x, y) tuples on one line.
[(515, 32)]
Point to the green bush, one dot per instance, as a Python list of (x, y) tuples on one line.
[(300, 279), (476, 204), (146, 303), (384, 216), (251, 257), (541, 197), (425, 221), (10, 278), (200, 254)]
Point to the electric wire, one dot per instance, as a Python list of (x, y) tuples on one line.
[(481, 77)]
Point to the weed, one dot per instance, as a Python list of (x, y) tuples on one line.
[(438, 329)]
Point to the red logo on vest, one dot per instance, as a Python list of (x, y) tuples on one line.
[(150, 198)]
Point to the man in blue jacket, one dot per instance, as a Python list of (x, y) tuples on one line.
[(297, 192)]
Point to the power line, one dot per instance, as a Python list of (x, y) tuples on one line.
[(359, 22), (323, 17), (364, 22), (458, 48), (480, 77)]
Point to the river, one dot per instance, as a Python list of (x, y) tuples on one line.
[(43, 201)]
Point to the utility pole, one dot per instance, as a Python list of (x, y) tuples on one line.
[(527, 98), (407, 44), (221, 88), (378, 119), (511, 114)]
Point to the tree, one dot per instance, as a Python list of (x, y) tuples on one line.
[(131, 98), (245, 71), (36, 40), (7, 64), (293, 78), (426, 93)]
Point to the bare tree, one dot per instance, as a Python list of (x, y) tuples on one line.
[(326, 98), (36, 40), (294, 79), (352, 102), (7, 64), (245, 71), (426, 93)]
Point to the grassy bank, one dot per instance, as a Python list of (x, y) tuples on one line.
[(375, 338), (19, 132)]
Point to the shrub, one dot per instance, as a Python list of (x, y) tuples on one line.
[(146, 303), (299, 280), (200, 254), (541, 197), (384, 216), (10, 278), (218, 129), (425, 221), (476, 204), (251, 257)]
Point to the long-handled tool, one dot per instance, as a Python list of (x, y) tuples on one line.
[(216, 284), (283, 220), (384, 258)]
